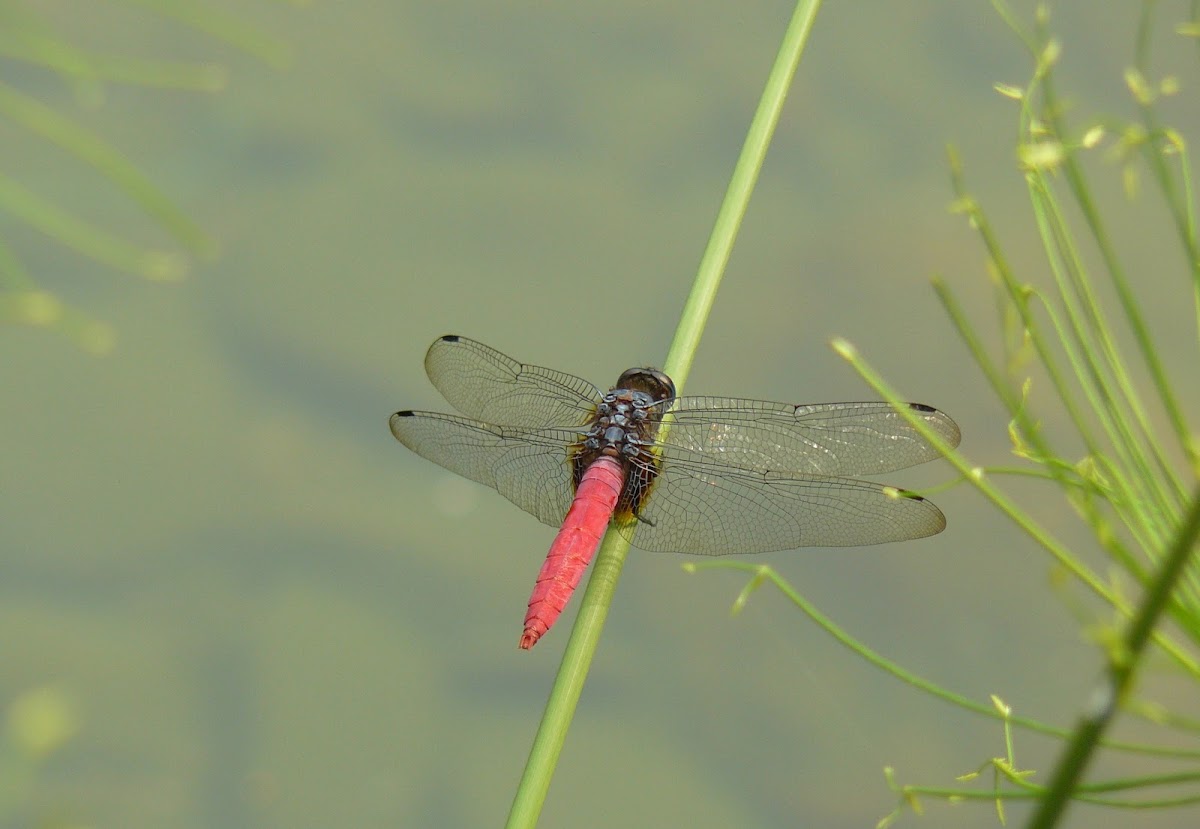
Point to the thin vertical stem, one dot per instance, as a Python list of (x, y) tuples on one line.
[(593, 610)]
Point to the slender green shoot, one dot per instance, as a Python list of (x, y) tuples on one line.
[(1077, 349), (585, 634)]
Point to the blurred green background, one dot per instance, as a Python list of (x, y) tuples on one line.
[(269, 614)]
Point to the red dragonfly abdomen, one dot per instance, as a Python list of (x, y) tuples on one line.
[(573, 547)]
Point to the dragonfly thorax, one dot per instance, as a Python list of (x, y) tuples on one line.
[(627, 417), (621, 425)]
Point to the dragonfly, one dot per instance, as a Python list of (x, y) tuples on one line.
[(693, 474)]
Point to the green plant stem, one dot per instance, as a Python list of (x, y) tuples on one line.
[(1150, 530), (712, 265), (761, 574), (585, 634), (1035, 531), (1117, 277), (1106, 698), (568, 683)]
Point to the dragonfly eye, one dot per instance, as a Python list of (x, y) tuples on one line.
[(650, 381)]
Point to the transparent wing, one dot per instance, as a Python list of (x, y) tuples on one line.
[(820, 439), (529, 467), (738, 476), (697, 506), (486, 385)]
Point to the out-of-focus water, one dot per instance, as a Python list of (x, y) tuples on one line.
[(270, 614)]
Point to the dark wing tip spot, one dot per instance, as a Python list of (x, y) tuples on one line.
[(921, 407), (395, 427), (909, 494), (450, 338)]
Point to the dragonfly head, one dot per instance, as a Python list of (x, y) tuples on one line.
[(653, 382)]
